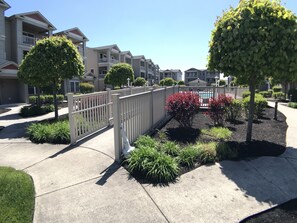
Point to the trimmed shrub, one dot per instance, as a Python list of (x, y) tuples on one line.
[(292, 104), (181, 83), (225, 152), (246, 94), (188, 156), (145, 141), (45, 99), (60, 98), (207, 152), (216, 108), (117, 88), (170, 148), (233, 110), (48, 99), (34, 110), (266, 94), (292, 93), (155, 166), (168, 81), (86, 87), (218, 133), (183, 107), (56, 132), (139, 81), (277, 89), (260, 105), (278, 95)]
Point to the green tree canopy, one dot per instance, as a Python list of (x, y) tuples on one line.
[(49, 62), (118, 74), (181, 83), (256, 39), (168, 81), (139, 81)]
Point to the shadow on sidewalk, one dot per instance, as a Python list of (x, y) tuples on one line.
[(108, 172), (269, 179)]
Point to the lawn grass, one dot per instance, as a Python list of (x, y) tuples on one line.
[(16, 196)]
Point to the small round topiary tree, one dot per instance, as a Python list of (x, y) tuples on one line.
[(183, 107), (168, 81), (118, 74), (181, 83), (86, 88), (139, 81)]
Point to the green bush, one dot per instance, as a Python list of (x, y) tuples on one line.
[(60, 98), (260, 105), (266, 94), (145, 141), (218, 133), (292, 93), (188, 156), (233, 111), (57, 132), (139, 81), (34, 110), (32, 100), (277, 89), (45, 99), (170, 148), (86, 88), (168, 81), (48, 99), (224, 151), (278, 95), (207, 152), (246, 94), (117, 88), (292, 104), (180, 83), (155, 166)]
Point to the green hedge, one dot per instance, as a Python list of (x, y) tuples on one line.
[(246, 94), (277, 89), (34, 110), (292, 104), (86, 88), (260, 105), (278, 95), (266, 94), (45, 99)]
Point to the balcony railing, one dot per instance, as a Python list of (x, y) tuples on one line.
[(29, 40), (102, 60)]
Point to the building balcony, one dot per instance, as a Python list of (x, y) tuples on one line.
[(29, 40)]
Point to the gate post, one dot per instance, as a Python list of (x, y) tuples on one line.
[(71, 119), (117, 127), (108, 102)]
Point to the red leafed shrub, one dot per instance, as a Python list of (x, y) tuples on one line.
[(183, 107), (216, 108)]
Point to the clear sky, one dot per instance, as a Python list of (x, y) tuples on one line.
[(173, 33)]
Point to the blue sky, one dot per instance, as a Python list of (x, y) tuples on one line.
[(174, 34)]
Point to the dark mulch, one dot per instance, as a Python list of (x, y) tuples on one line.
[(3, 110), (285, 213), (269, 135)]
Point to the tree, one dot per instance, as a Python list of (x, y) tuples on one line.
[(118, 74), (222, 83), (168, 81), (256, 39), (139, 81), (49, 62)]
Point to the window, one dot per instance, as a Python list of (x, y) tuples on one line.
[(74, 86), (28, 38)]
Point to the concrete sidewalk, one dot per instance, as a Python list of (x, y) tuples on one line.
[(84, 184)]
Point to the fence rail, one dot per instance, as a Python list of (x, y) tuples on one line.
[(89, 113)]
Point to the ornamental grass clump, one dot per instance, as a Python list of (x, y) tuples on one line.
[(217, 133), (188, 157), (183, 107)]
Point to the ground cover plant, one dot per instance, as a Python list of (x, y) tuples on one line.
[(56, 132), (16, 196), (202, 142), (34, 110)]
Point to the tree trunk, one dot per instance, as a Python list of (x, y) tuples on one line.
[(251, 112), (38, 97), (55, 101)]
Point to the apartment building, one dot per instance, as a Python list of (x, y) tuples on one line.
[(18, 33), (79, 40), (139, 66), (126, 57), (209, 77), (175, 74)]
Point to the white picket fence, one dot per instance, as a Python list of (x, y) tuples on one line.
[(89, 113), (138, 114)]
